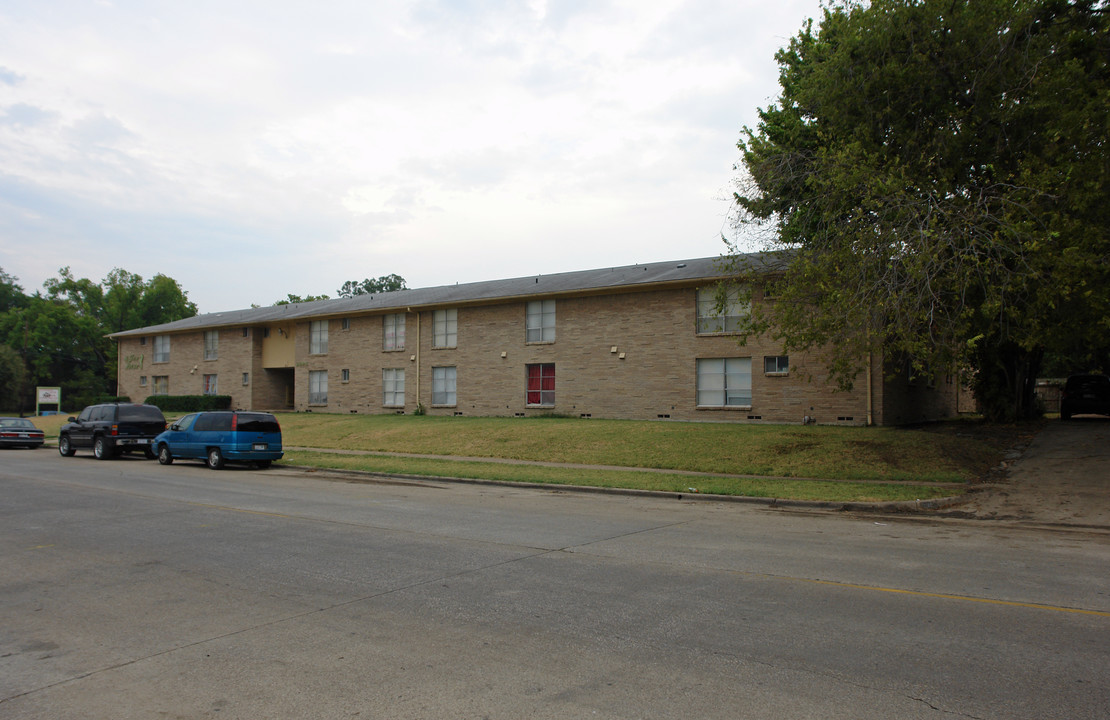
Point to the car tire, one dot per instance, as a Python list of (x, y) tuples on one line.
[(164, 456), (215, 458), (101, 451), (65, 447)]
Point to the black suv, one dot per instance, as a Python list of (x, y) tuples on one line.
[(1085, 395), (111, 429)]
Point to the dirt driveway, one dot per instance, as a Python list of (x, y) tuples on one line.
[(1062, 478)]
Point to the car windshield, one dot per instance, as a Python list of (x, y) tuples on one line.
[(140, 413), (257, 422)]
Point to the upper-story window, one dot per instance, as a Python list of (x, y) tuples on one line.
[(211, 344), (393, 331), (540, 321), (445, 328), (318, 337), (345, 324), (161, 348), (719, 313)]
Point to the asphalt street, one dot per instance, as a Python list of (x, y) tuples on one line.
[(132, 590)]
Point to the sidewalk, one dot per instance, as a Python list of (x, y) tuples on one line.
[(1062, 479)]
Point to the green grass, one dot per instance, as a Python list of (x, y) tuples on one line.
[(629, 479), (836, 464), (824, 452)]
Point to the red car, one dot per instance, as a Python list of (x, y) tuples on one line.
[(19, 432)]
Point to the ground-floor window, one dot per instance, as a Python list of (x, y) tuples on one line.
[(393, 387), (161, 385), (211, 386), (318, 387), (443, 386), (724, 382), (142, 381), (541, 384)]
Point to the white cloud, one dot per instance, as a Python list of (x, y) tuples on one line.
[(254, 149)]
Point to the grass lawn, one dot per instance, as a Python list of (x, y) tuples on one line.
[(795, 461), (798, 462)]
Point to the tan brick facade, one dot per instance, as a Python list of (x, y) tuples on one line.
[(616, 354)]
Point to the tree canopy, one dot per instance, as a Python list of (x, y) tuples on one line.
[(933, 175), (386, 283), (59, 334)]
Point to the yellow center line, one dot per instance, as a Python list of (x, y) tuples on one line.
[(966, 598)]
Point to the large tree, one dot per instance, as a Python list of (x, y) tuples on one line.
[(933, 176), (60, 334)]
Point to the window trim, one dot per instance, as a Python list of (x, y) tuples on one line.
[(211, 344), (318, 397), (450, 398), (318, 337), (390, 385), (724, 390), (397, 321), (778, 360), (161, 351), (726, 323), (448, 338), (539, 317), (541, 391)]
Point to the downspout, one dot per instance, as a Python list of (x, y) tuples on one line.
[(870, 395), (418, 342)]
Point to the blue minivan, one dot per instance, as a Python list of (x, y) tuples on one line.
[(222, 436)]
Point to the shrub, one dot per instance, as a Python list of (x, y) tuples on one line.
[(189, 403)]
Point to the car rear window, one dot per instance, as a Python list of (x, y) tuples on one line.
[(257, 422), (140, 413)]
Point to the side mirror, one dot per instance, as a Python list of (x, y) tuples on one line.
[(71, 419)]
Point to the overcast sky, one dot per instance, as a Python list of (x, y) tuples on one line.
[(255, 149)]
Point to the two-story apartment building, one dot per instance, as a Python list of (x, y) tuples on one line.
[(635, 342)]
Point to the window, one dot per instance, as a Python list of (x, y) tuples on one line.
[(726, 319), (318, 387), (142, 340), (142, 381), (266, 332), (540, 321), (724, 382), (393, 387), (210, 385), (246, 332), (246, 378), (161, 348), (443, 386), (393, 332), (776, 365), (318, 337), (541, 384), (345, 375), (161, 385), (211, 344), (345, 324), (445, 328)]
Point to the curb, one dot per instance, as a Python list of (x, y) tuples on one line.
[(900, 506)]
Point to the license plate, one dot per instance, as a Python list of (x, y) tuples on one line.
[(143, 441), (259, 446), (24, 435)]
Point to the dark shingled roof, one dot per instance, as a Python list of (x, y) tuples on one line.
[(569, 283)]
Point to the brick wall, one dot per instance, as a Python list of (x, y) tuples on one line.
[(620, 355)]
